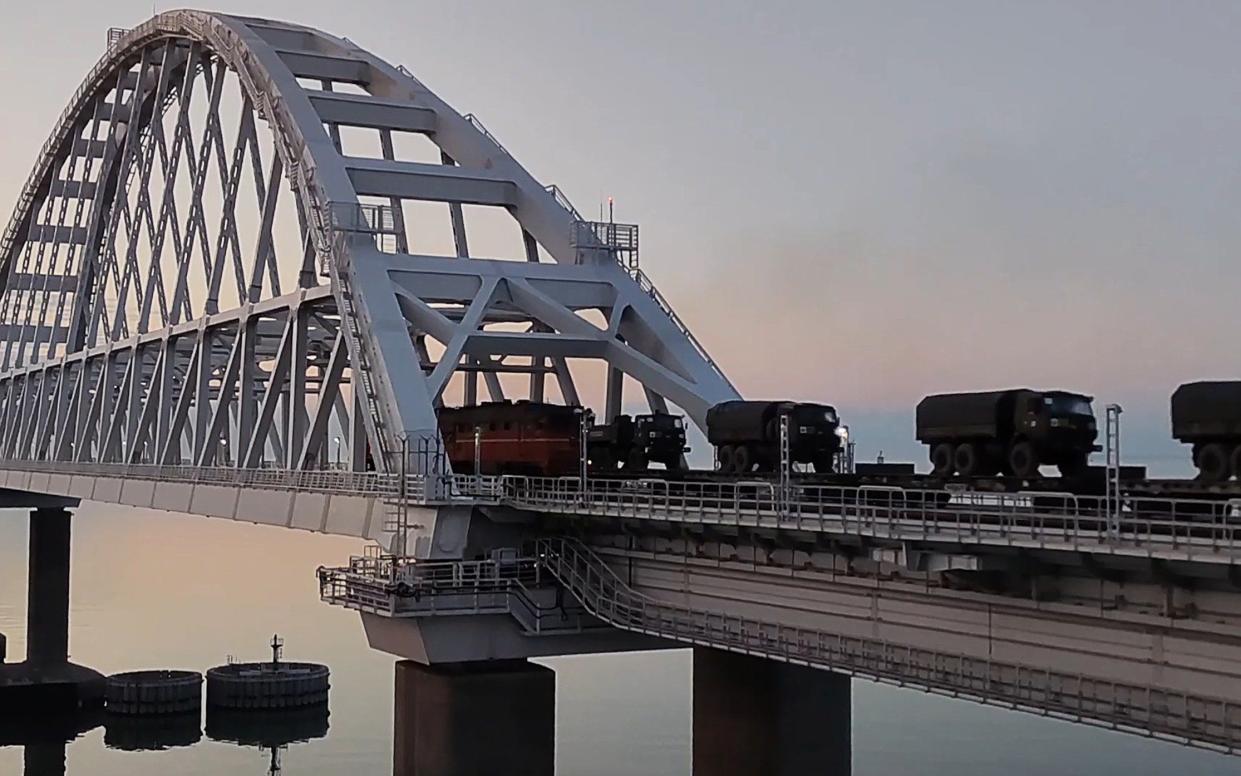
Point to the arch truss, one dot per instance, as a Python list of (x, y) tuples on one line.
[(229, 253)]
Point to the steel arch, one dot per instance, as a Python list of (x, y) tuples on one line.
[(193, 390)]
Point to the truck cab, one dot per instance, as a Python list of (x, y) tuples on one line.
[(633, 443), (1060, 427), (659, 437)]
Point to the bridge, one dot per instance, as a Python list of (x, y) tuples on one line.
[(218, 299)]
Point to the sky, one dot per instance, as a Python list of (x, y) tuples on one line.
[(857, 203)]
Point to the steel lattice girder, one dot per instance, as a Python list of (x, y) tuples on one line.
[(127, 227)]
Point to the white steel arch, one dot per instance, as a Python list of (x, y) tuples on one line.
[(152, 312)]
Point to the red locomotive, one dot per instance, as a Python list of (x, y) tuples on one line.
[(521, 437)]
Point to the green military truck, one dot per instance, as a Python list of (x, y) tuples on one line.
[(633, 443), (1014, 432), (1207, 415)]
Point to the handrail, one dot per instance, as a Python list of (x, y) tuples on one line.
[(563, 200), (1161, 712), (644, 283), (381, 583), (478, 125), (1190, 529)]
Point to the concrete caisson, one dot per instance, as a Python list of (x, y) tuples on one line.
[(282, 685), (154, 692)]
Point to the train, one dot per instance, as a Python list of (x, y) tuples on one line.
[(995, 439), (541, 439)]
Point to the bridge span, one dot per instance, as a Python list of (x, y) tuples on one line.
[(216, 301)]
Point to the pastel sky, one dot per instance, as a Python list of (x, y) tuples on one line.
[(854, 202)]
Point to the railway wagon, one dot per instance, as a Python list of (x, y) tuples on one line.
[(530, 438)]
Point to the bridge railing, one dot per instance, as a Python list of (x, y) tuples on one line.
[(319, 480), (1152, 710), (1197, 528), (1194, 529), (399, 587)]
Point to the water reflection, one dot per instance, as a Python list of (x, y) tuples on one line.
[(152, 733), (270, 731), (45, 737)]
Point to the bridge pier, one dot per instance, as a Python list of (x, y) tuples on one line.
[(753, 715), (46, 680), (47, 592), (466, 718)]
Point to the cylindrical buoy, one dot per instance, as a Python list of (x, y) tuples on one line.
[(154, 692)]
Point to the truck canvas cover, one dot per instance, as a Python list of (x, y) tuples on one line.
[(958, 415), (1206, 409), (738, 421)]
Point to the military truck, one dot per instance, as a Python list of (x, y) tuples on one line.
[(1207, 415), (746, 435), (1014, 431), (633, 443)]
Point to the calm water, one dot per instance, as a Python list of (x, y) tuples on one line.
[(158, 590)]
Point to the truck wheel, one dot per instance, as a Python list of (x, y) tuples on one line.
[(965, 458), (725, 455), (942, 460), (741, 460), (1022, 460), (1236, 462), (1212, 463)]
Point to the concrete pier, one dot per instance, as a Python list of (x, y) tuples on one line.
[(47, 592), (46, 680), (469, 718), (760, 716)]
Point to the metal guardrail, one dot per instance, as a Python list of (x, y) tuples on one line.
[(478, 125), (650, 290), (312, 480), (1148, 527), (563, 200), (400, 587), (1211, 722), (1194, 529)]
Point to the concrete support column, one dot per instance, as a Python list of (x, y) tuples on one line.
[(47, 603), (760, 716), (468, 718)]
